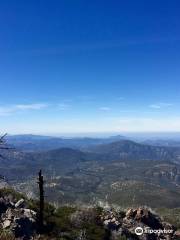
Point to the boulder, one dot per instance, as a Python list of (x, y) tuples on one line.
[(148, 218), (6, 224), (20, 203), (177, 235), (131, 213)]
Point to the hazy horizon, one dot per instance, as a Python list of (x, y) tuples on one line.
[(143, 135)]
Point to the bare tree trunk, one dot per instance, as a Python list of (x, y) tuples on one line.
[(41, 201)]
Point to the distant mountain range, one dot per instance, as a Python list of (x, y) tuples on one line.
[(162, 142), (45, 143), (129, 150), (29, 142), (90, 170), (64, 159)]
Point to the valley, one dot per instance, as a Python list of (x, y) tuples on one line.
[(122, 173)]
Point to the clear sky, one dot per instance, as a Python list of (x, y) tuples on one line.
[(89, 66)]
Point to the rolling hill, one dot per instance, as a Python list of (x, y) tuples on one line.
[(105, 172), (129, 150)]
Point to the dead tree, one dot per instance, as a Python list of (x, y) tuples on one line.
[(3, 142), (3, 146), (2, 139), (41, 201)]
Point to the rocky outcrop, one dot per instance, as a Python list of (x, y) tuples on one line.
[(140, 223), (134, 224), (17, 218)]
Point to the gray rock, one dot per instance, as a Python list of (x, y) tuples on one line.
[(135, 218), (6, 224), (20, 203)]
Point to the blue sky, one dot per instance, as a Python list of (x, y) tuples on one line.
[(89, 66)]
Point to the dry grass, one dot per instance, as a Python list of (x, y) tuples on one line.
[(5, 235)]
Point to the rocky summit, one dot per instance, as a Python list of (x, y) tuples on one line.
[(86, 223), (17, 218), (140, 223)]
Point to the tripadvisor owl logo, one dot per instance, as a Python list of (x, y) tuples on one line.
[(139, 231)]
